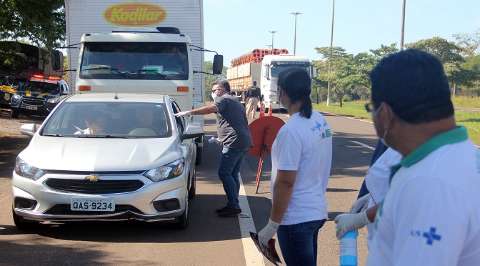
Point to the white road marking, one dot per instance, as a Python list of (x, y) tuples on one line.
[(250, 251), (363, 145)]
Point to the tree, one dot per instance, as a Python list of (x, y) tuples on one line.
[(41, 22), (449, 53), (384, 50), (470, 43)]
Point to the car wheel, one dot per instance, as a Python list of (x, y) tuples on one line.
[(198, 160), (23, 224), (193, 188), (182, 221), (14, 113)]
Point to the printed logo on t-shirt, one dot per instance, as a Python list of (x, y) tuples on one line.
[(322, 130), (430, 236)]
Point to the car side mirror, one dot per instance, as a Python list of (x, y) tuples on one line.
[(193, 131), (217, 64), (28, 129)]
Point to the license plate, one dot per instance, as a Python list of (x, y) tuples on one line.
[(93, 205), (31, 107)]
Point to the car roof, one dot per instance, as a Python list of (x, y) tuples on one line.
[(118, 97)]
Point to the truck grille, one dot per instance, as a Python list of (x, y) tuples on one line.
[(64, 209), (33, 101), (98, 187)]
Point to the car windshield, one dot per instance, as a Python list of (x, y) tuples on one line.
[(42, 87), (144, 60), (278, 67), (109, 120)]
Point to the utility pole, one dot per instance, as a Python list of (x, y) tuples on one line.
[(331, 53), (273, 33), (295, 33), (402, 36)]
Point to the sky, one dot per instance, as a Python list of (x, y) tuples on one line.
[(235, 27)]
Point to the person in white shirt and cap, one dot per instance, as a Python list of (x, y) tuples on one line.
[(430, 214), (301, 162)]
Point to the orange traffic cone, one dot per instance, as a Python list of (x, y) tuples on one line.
[(262, 110), (270, 111)]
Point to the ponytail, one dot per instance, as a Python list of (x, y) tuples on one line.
[(306, 109)]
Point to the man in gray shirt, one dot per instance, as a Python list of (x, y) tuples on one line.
[(234, 135)]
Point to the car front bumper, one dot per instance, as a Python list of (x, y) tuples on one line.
[(54, 205)]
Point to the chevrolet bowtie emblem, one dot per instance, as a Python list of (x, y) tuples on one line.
[(91, 178)]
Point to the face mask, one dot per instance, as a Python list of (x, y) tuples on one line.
[(214, 96)]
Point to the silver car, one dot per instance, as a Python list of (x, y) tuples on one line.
[(107, 157)]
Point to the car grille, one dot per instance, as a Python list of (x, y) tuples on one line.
[(32, 101), (97, 187), (64, 209)]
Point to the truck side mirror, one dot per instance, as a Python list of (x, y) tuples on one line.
[(217, 64), (57, 61)]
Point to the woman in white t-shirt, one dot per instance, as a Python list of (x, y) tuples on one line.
[(301, 162)]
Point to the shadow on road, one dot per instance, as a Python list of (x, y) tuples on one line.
[(204, 226)]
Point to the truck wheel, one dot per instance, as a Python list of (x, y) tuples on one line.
[(22, 224), (199, 158)]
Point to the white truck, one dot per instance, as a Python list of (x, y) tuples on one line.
[(153, 46), (264, 71)]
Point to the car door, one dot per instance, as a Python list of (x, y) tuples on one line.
[(187, 146)]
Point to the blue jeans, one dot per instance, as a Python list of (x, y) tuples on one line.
[(229, 171), (298, 242)]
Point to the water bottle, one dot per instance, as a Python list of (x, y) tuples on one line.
[(348, 249)]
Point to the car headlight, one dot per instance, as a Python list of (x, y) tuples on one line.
[(24, 169), (16, 98), (167, 171), (53, 100)]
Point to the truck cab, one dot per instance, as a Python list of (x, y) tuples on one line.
[(272, 65), (137, 62)]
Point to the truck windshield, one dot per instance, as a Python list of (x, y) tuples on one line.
[(128, 60), (278, 67)]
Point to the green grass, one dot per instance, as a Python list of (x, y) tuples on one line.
[(466, 102), (471, 120)]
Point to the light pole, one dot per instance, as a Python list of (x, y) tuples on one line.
[(273, 33), (295, 33), (402, 34), (331, 53)]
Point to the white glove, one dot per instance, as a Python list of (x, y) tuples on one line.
[(267, 233), (350, 221), (184, 113), (361, 204)]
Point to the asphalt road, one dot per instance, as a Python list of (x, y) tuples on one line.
[(209, 240)]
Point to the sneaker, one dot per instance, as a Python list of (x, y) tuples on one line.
[(221, 209), (230, 212)]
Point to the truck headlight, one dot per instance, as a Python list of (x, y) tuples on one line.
[(167, 171), (24, 169)]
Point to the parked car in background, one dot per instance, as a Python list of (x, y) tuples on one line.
[(107, 157)]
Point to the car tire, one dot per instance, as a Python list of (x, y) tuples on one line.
[(183, 220), (193, 188), (23, 224), (14, 113), (199, 158)]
